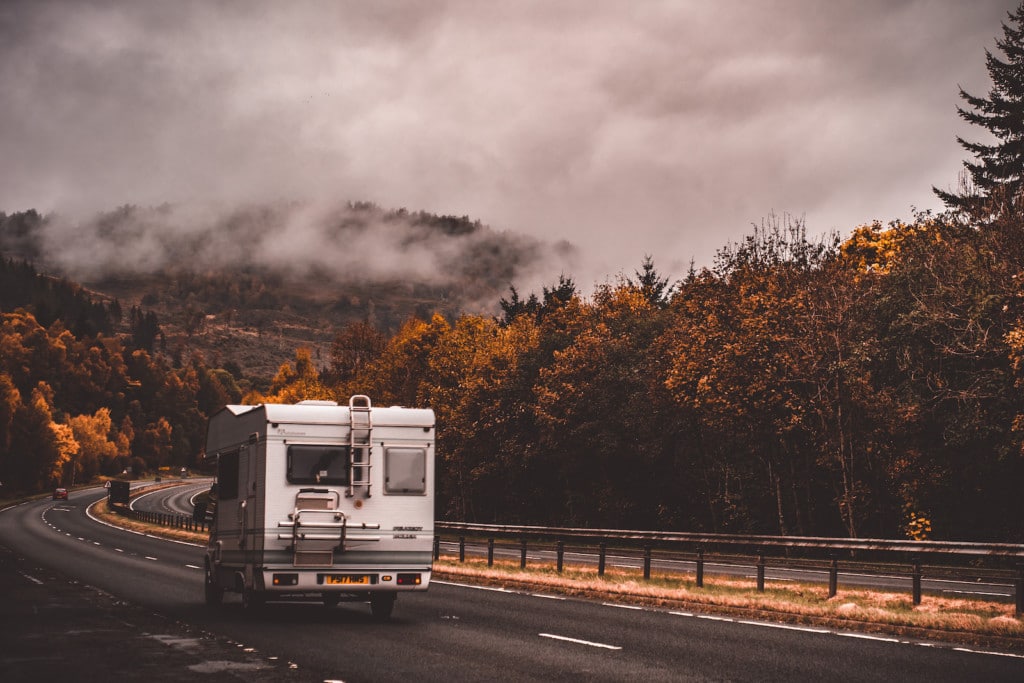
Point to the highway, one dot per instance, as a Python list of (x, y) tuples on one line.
[(457, 632)]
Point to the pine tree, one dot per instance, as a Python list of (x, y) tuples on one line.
[(994, 182)]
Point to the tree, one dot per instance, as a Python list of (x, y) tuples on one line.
[(995, 180), (655, 289), (296, 383), (354, 347), (97, 452)]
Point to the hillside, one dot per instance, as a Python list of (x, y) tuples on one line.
[(250, 286)]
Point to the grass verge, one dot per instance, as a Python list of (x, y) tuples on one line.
[(976, 622)]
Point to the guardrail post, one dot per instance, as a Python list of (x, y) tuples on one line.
[(760, 572), (647, 562), (522, 553), (462, 548), (833, 577), (1020, 589), (917, 581), (700, 567), (437, 547), (560, 554), (602, 550), (490, 552)]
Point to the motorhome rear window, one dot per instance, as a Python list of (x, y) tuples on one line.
[(405, 470), (317, 464)]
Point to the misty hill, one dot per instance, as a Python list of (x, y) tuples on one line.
[(251, 285)]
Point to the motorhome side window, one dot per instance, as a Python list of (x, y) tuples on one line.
[(317, 464), (227, 475), (405, 470)]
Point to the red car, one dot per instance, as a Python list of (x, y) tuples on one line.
[(60, 494)]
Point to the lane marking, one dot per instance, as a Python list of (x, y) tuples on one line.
[(151, 558), (192, 566), (466, 585), (994, 595), (32, 579), (988, 652), (805, 629), (865, 636), (612, 604), (547, 597), (579, 642)]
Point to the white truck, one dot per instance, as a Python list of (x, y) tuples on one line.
[(321, 500)]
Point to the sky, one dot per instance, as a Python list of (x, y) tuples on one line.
[(628, 128)]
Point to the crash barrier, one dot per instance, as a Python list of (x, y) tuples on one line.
[(186, 522), (877, 556)]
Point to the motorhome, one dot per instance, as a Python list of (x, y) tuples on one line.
[(321, 500)]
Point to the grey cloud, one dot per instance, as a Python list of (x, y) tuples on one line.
[(627, 128)]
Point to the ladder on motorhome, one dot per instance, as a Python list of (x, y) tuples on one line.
[(360, 429)]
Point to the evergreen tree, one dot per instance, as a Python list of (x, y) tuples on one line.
[(994, 182)]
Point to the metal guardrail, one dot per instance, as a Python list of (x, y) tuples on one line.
[(186, 522), (698, 543)]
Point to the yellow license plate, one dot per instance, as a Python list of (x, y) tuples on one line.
[(347, 579)]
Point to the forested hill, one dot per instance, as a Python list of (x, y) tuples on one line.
[(247, 287), (864, 387)]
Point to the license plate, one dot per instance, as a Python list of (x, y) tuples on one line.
[(347, 579)]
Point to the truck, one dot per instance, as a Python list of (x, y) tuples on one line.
[(319, 500)]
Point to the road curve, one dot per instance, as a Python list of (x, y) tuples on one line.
[(456, 632)]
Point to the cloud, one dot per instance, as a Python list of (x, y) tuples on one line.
[(663, 128)]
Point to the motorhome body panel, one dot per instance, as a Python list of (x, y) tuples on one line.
[(300, 503)]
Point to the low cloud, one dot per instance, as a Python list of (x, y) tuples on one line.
[(625, 128)]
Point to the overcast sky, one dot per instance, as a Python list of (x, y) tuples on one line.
[(628, 128)]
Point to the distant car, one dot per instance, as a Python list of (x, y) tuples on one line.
[(60, 494)]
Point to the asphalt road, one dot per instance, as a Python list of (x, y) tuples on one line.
[(452, 632)]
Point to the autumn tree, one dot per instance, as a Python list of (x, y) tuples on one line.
[(396, 376), (296, 381), (97, 453)]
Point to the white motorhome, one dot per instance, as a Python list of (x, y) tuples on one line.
[(320, 499)]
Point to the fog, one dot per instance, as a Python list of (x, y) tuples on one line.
[(626, 128)]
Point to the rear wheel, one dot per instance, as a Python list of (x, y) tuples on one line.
[(381, 605), (252, 599), (214, 593)]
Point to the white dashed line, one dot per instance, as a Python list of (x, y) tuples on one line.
[(32, 579), (786, 627), (579, 642), (151, 558), (865, 636)]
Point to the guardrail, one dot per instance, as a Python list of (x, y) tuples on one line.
[(697, 544), (186, 522)]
